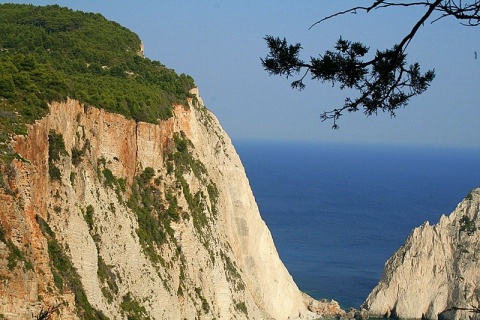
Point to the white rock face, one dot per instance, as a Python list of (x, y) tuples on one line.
[(438, 268), (218, 259)]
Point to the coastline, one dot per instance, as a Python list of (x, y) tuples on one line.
[(353, 207)]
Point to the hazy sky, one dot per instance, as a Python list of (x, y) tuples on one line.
[(219, 43)]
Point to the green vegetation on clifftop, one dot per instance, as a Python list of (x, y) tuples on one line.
[(51, 53)]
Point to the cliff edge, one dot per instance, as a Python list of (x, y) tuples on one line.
[(121, 196), (435, 274), (104, 217)]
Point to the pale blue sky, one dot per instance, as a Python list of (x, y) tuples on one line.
[(219, 43)]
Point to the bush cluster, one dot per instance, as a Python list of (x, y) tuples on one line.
[(153, 218), (56, 148), (467, 225), (132, 309)]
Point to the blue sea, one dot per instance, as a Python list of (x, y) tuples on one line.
[(338, 212)]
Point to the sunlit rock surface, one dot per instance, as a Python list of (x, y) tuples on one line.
[(437, 269)]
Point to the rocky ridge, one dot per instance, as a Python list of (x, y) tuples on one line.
[(435, 274)]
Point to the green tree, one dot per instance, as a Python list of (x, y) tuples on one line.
[(384, 82), (7, 86)]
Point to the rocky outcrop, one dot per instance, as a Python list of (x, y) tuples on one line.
[(105, 217), (436, 273), (324, 308)]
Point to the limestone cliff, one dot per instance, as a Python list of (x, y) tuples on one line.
[(437, 269), (105, 217)]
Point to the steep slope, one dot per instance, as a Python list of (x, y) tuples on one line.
[(203, 252), (437, 269), (120, 194)]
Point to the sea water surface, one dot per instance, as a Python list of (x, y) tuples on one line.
[(338, 212)]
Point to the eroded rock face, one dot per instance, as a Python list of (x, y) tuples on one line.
[(214, 256), (438, 268)]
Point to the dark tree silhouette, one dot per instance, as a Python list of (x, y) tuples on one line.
[(383, 82), (472, 309), (47, 314)]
